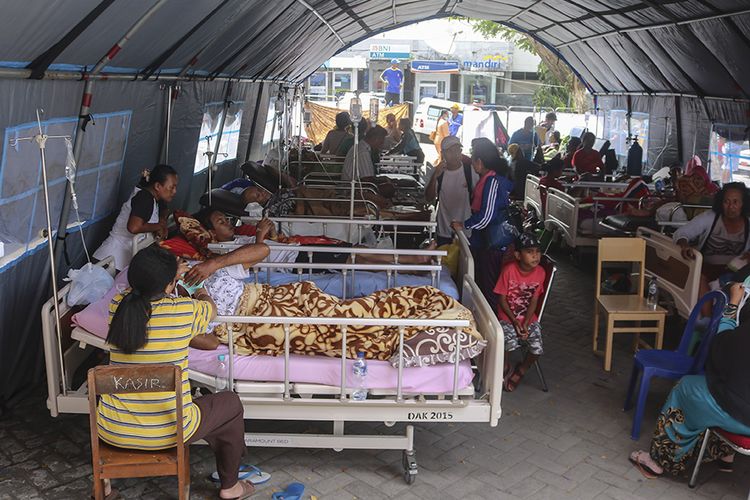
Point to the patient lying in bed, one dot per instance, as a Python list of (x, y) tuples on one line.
[(303, 299)]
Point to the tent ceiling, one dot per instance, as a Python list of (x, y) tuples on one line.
[(694, 47)]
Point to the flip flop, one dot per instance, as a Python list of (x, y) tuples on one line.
[(293, 491), (248, 490), (246, 473), (644, 469)]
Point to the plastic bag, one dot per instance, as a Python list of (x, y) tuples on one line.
[(451, 260), (88, 284)]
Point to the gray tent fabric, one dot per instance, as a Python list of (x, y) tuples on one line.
[(108, 171), (680, 61), (697, 47)]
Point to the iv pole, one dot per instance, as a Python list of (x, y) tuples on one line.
[(41, 141)]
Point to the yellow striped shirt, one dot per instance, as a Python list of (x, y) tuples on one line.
[(146, 421)]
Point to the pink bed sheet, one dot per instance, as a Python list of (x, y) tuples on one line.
[(327, 371), (302, 369)]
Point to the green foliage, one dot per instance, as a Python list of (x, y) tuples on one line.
[(491, 29), (555, 93)]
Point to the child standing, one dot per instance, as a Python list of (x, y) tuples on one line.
[(519, 287)]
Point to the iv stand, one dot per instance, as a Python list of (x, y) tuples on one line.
[(41, 141)]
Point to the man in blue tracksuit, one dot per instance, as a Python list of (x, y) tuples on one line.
[(393, 78)]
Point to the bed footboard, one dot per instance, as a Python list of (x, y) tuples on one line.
[(678, 276), (532, 198), (563, 216)]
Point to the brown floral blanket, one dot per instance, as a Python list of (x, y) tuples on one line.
[(304, 299)]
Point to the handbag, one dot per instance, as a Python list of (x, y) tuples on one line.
[(503, 230)]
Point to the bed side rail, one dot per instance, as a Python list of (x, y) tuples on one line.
[(490, 363), (343, 392), (58, 370), (465, 259), (675, 274)]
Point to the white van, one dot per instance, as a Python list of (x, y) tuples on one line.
[(427, 114)]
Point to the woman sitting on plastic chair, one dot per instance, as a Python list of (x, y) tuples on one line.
[(720, 398), (149, 325)]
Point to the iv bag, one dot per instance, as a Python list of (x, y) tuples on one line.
[(70, 161)]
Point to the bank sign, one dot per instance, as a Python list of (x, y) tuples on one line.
[(390, 51), (495, 62)]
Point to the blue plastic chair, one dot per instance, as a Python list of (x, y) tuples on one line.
[(673, 364)]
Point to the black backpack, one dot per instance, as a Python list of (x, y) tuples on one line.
[(467, 175)]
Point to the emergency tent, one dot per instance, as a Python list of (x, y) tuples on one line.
[(680, 61)]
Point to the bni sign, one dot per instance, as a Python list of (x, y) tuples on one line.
[(390, 51)]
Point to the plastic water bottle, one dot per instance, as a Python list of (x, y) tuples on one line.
[(222, 374), (652, 299), (360, 376)]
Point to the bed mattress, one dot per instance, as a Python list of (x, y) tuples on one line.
[(92, 323)]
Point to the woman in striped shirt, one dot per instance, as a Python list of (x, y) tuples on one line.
[(148, 325)]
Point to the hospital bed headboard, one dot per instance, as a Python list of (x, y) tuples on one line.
[(141, 241), (59, 378), (532, 199), (676, 275), (562, 215)]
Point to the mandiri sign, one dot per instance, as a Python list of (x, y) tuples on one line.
[(497, 62)]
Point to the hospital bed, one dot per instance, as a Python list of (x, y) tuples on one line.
[(675, 275), (315, 388), (352, 230)]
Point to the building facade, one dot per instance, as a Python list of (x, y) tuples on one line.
[(440, 58)]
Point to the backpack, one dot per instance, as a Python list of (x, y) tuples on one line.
[(467, 175), (713, 226)]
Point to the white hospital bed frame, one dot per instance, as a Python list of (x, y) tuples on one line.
[(303, 401), (307, 226), (676, 275), (532, 197), (562, 215)]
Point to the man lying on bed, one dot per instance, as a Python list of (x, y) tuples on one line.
[(233, 295), (221, 231)]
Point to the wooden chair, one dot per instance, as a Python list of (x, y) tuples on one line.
[(113, 462), (624, 313)]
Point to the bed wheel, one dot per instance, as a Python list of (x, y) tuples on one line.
[(409, 462)]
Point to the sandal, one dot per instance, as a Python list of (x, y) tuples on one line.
[(248, 490), (247, 472), (644, 469), (514, 379), (293, 491)]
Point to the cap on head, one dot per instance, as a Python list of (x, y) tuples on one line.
[(456, 107), (394, 61), (526, 240), (449, 142)]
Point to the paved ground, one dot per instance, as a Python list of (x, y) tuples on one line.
[(572, 442)]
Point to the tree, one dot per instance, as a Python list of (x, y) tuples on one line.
[(562, 89)]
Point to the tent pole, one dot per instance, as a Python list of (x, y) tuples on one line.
[(222, 121), (678, 126), (84, 116), (171, 95)]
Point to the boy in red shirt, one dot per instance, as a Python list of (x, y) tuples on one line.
[(520, 286)]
